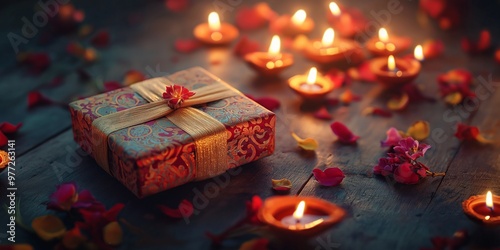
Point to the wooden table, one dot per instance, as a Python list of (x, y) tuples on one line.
[(381, 214)]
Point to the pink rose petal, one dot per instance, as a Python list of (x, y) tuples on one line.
[(330, 177), (323, 114), (184, 210), (343, 133)]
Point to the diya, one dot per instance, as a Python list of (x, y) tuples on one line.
[(312, 85), (394, 71), (383, 45), (270, 63), (330, 49), (214, 32)]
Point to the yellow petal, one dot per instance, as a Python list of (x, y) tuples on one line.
[(419, 130), (398, 103), (307, 143), (48, 227), (453, 98), (113, 234), (480, 138), (282, 184)]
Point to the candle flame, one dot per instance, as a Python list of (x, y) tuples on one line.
[(489, 200), (334, 8), (391, 63), (311, 77), (299, 212), (418, 53), (299, 17), (214, 21), (382, 35), (274, 48), (328, 37)]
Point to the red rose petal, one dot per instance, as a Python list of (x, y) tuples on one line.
[(323, 114), (245, 46), (36, 99), (101, 39), (249, 19), (347, 97), (337, 77), (186, 45), (343, 133), (433, 8), (9, 128), (132, 76), (377, 111), (112, 85), (176, 5), (433, 49), (185, 210), (37, 62), (481, 45), (330, 177), (362, 73), (465, 132)]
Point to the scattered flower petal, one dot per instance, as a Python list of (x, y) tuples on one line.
[(112, 234), (9, 128), (419, 130), (330, 177), (470, 133), (132, 76), (282, 184), (186, 45), (454, 98), (75, 49), (399, 103), (323, 114), (101, 39), (337, 77), (176, 5), (455, 86), (249, 19), (307, 143), (185, 210), (347, 97), (377, 111), (245, 46), (343, 133), (253, 208), (432, 48), (64, 197), (36, 62), (48, 227), (36, 99), (73, 239), (267, 102), (362, 73), (481, 45), (405, 174), (393, 138)]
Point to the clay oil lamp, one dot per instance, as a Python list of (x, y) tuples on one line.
[(394, 71), (383, 45), (295, 25), (312, 85), (347, 22), (330, 49), (484, 209), (214, 32), (301, 217), (270, 63)]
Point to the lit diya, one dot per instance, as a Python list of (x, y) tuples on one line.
[(330, 49), (483, 208), (300, 216), (295, 25), (214, 32), (394, 71), (311, 86), (272, 62), (385, 46), (348, 22)]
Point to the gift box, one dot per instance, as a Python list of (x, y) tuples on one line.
[(158, 155)]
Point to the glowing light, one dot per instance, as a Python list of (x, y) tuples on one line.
[(391, 63), (299, 212), (299, 17), (382, 35), (489, 200), (334, 8), (311, 77), (274, 48), (418, 53), (214, 21), (328, 37)]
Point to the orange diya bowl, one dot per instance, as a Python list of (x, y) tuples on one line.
[(477, 209), (267, 64), (214, 32), (406, 71), (294, 25), (311, 86), (329, 50), (276, 210)]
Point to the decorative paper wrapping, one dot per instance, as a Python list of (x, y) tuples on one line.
[(155, 156)]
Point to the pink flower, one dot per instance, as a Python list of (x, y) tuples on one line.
[(406, 174), (253, 207), (393, 138), (330, 177), (66, 198), (411, 148), (386, 166), (176, 95), (343, 133)]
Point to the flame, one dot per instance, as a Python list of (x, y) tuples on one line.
[(299, 212), (391, 63), (382, 35), (334, 8), (311, 77), (489, 200), (214, 21), (418, 53), (299, 17), (328, 37), (274, 48)]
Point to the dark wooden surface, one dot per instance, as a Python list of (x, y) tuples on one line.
[(381, 214)]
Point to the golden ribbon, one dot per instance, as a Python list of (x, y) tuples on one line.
[(209, 134)]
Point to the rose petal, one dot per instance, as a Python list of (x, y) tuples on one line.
[(404, 174), (267, 102), (282, 184), (481, 45), (399, 103), (470, 133), (132, 76), (245, 46), (306, 144), (433, 7), (323, 114), (36, 99), (185, 210), (176, 5), (362, 73), (255, 244), (101, 39), (376, 111), (337, 77), (249, 19), (112, 85), (419, 130), (36, 62), (112, 234), (186, 45), (9, 128), (48, 227), (330, 177), (347, 97), (393, 138), (432, 48), (3, 139), (343, 133)]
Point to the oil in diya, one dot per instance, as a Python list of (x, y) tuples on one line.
[(295, 25), (393, 71), (270, 63), (484, 209), (312, 85), (383, 45), (301, 217), (214, 32), (330, 49)]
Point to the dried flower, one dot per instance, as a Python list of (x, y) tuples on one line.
[(176, 95)]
